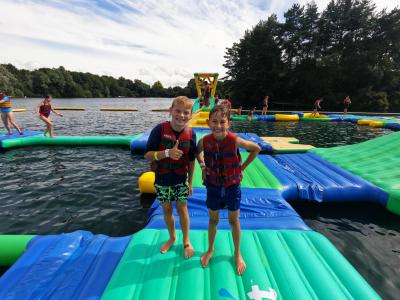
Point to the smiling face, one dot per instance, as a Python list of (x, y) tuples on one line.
[(219, 125), (180, 116)]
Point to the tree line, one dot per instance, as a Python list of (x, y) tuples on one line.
[(61, 83), (349, 48)]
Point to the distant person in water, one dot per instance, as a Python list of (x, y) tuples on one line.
[(7, 115), (265, 106), (317, 107), (346, 103), (250, 114), (44, 109)]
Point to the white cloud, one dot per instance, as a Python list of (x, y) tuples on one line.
[(147, 40)]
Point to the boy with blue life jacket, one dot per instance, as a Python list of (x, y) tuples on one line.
[(222, 170), (171, 148), (7, 115)]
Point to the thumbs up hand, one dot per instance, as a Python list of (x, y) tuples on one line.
[(175, 153)]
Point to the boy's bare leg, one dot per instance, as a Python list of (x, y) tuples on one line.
[(5, 121), (235, 225), (212, 231), (12, 121), (185, 225), (170, 222)]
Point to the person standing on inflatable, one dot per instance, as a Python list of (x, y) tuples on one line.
[(317, 106), (7, 115), (171, 148), (346, 103), (222, 171), (44, 108), (207, 94), (265, 106)]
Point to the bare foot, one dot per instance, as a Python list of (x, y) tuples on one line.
[(240, 264), (166, 246), (205, 259), (189, 251)]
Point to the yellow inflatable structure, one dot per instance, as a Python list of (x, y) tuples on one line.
[(146, 183), (117, 109), (199, 119), (282, 117), (69, 108)]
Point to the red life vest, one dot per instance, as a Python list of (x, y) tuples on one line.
[(168, 140), (45, 110), (223, 160)]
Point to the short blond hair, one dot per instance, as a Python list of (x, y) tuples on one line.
[(182, 100)]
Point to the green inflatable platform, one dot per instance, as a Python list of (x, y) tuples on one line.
[(377, 161), (284, 264)]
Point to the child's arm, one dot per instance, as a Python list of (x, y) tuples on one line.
[(200, 158), (174, 153), (250, 146), (58, 114)]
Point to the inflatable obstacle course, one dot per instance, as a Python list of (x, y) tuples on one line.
[(285, 259)]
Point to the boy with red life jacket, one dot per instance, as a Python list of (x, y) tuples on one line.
[(222, 173), (7, 115), (43, 109), (171, 148)]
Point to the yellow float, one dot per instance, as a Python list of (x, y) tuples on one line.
[(282, 117), (146, 183), (117, 109), (69, 108)]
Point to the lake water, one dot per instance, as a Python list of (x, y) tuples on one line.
[(49, 190)]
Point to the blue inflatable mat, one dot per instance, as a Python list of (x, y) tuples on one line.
[(259, 209), (252, 137), (316, 179), (202, 130), (392, 126), (15, 134), (265, 117), (76, 265), (139, 144)]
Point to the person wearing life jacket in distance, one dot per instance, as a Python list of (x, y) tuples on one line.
[(171, 148), (43, 109), (7, 114), (222, 171)]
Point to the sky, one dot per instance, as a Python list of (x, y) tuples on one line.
[(148, 40)]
